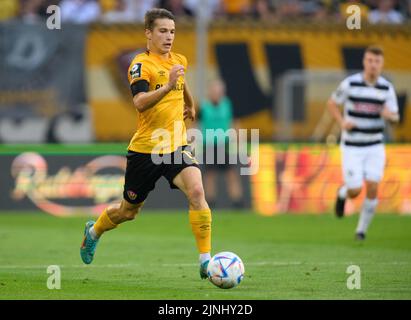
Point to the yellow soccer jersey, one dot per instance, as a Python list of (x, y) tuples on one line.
[(161, 128)]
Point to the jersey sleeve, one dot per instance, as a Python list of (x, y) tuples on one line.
[(391, 102), (138, 70), (185, 63), (340, 95)]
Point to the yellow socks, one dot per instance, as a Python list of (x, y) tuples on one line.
[(103, 224), (200, 221)]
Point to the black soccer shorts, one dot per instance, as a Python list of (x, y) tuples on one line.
[(142, 172)]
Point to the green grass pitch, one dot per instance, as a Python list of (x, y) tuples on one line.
[(154, 257)]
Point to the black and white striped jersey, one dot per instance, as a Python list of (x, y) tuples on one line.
[(363, 104)]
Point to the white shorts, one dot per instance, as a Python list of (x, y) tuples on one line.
[(362, 163)]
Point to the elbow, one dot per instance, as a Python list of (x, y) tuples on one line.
[(138, 105)]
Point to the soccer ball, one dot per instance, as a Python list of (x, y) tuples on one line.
[(225, 270)]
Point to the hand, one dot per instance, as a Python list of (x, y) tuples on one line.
[(389, 115), (175, 72), (346, 125), (189, 112)]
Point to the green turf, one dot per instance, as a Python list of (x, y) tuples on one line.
[(59, 149), (154, 257)]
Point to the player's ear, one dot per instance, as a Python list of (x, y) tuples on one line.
[(148, 34)]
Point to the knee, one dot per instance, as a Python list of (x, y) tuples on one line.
[(372, 191), (196, 193), (353, 193)]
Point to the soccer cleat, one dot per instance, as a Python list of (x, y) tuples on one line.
[(203, 269), (339, 206), (360, 236), (88, 246)]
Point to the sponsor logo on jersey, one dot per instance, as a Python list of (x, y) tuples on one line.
[(135, 71)]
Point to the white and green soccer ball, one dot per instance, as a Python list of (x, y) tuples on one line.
[(225, 270)]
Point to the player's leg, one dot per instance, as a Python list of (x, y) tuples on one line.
[(373, 174), (352, 162), (234, 186), (189, 181), (109, 219), (342, 194), (368, 210), (141, 175), (114, 215)]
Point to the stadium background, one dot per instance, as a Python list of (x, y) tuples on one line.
[(65, 105), (66, 117)]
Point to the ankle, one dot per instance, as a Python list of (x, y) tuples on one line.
[(94, 234), (204, 257)]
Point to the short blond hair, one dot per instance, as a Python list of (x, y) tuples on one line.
[(374, 49)]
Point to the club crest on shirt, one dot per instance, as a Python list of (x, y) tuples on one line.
[(132, 195)]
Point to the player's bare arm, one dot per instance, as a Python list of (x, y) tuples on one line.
[(189, 108), (389, 115), (146, 100), (336, 114)]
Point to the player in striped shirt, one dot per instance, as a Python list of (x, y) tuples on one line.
[(368, 100)]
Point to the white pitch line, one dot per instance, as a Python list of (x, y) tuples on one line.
[(257, 263), (75, 266), (261, 263)]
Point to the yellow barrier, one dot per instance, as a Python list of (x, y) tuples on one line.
[(305, 179)]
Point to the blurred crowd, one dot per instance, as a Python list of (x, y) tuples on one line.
[(131, 11)]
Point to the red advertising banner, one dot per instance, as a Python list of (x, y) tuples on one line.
[(73, 185), (305, 179)]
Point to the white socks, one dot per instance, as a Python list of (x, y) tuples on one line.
[(366, 215), (204, 257), (342, 192), (93, 233)]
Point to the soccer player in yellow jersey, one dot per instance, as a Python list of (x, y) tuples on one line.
[(163, 101)]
